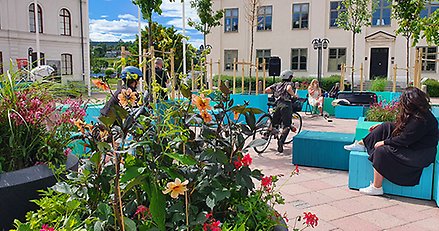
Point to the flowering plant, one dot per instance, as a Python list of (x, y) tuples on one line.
[(33, 129), (382, 111)]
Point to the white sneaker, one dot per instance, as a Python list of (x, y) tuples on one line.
[(372, 191), (355, 147)]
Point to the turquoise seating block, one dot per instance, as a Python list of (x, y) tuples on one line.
[(255, 101), (436, 182), (362, 129), (93, 112), (322, 149), (327, 106), (302, 93), (387, 96), (361, 174), (349, 112)]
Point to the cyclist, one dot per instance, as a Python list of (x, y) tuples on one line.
[(284, 94)]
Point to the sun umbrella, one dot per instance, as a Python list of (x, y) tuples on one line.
[(41, 72)]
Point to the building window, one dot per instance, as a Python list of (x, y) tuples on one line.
[(66, 22), (430, 54), (337, 56), (32, 18), (300, 15), (231, 20), (430, 7), (335, 9), (298, 59), (262, 55), (66, 64), (229, 57), (265, 14), (381, 16)]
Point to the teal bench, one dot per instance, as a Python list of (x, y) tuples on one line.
[(349, 112), (436, 181), (361, 174), (322, 149), (362, 128)]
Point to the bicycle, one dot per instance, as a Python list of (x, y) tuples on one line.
[(266, 131)]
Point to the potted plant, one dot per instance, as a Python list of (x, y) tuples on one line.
[(180, 166), (34, 134)]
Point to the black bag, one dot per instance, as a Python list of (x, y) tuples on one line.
[(297, 105)]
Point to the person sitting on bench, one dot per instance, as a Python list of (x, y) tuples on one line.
[(315, 98), (400, 151)]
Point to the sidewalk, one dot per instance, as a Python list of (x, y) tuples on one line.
[(325, 192)]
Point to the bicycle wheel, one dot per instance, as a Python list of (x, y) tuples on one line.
[(296, 127), (263, 131)]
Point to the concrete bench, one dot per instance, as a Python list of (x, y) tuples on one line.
[(322, 149), (436, 181), (349, 112), (361, 174)]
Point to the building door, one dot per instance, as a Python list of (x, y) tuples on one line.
[(379, 60)]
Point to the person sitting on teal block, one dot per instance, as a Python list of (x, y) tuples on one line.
[(285, 96), (400, 151), (315, 97)]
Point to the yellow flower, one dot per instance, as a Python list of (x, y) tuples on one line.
[(80, 125), (201, 102), (176, 188), (206, 116), (127, 97)]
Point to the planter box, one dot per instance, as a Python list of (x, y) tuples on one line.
[(436, 182), (349, 112), (327, 106), (362, 129), (387, 96), (19, 187)]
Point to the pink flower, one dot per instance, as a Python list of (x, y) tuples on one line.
[(67, 151), (46, 227), (143, 212)]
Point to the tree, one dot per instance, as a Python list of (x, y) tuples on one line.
[(148, 7), (430, 27), (251, 8), (357, 14), (407, 14), (208, 17)]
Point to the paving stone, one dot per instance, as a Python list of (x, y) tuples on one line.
[(381, 219), (340, 193), (316, 185), (314, 198), (354, 223), (428, 224), (328, 212), (403, 213)]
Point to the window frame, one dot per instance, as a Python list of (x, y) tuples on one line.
[(264, 56), (265, 15), (337, 10), (299, 61), (381, 9), (231, 17), (225, 58), (300, 17), (66, 21), (337, 57), (1, 63), (428, 55), (64, 64), (428, 6), (32, 22)]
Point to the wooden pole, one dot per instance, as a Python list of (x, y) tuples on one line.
[(172, 75), (219, 73), (153, 79), (242, 77), (211, 75), (416, 71), (418, 81), (193, 74), (123, 55), (264, 76), (144, 58), (361, 76), (257, 77), (395, 68), (234, 75), (342, 76)]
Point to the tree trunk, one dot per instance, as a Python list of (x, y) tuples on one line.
[(149, 32), (408, 60), (353, 62)]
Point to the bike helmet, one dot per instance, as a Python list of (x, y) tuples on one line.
[(285, 75), (131, 73)]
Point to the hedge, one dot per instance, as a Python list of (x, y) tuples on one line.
[(432, 87)]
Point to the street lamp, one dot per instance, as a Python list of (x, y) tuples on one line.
[(29, 61), (319, 44)]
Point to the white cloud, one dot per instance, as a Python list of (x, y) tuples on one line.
[(196, 42), (125, 28), (104, 16), (129, 17), (174, 11)]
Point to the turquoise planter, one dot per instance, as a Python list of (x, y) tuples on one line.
[(362, 129), (436, 182), (387, 96)]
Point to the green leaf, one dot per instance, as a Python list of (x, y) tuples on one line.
[(98, 226), (257, 143), (250, 119), (213, 156), (184, 159), (185, 91), (104, 147), (131, 172), (130, 225), (104, 211), (158, 204), (62, 187), (72, 205), (224, 89)]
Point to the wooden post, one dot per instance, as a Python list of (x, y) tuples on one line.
[(257, 77), (193, 74), (361, 76), (416, 71), (418, 79), (219, 73), (211, 75), (144, 58), (173, 83), (242, 77), (395, 68), (342, 76), (123, 55), (264, 76), (153, 79), (234, 75)]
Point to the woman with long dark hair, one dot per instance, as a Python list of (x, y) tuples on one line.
[(400, 151)]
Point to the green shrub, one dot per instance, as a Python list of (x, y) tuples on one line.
[(432, 87), (382, 112), (378, 84)]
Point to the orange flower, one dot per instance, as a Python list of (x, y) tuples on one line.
[(101, 85), (235, 115), (80, 125), (206, 116), (127, 97), (176, 188), (201, 102)]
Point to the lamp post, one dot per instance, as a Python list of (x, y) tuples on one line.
[(320, 44), (29, 61)]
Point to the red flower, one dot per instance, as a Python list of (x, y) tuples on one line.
[(266, 181), (310, 219), (247, 160), (46, 227), (209, 215), (296, 170), (214, 226), (238, 163), (141, 210)]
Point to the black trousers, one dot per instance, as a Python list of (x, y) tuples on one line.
[(283, 113)]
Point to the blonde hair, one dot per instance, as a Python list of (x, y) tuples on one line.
[(314, 82)]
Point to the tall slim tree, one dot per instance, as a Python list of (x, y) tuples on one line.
[(408, 15), (148, 7), (251, 16), (357, 14), (208, 17)]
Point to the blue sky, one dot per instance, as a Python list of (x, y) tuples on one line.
[(111, 20)]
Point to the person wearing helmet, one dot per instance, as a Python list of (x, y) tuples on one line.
[(284, 94), (161, 77), (130, 79)]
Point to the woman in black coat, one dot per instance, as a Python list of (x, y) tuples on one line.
[(400, 151)]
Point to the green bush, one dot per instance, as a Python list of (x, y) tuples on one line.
[(432, 87), (378, 84), (382, 112)]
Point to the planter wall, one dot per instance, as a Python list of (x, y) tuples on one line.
[(19, 187)]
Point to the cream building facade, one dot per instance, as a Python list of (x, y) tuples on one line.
[(64, 35), (287, 27)]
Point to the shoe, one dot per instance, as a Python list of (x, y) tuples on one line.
[(280, 146), (293, 129), (355, 147), (372, 191)]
